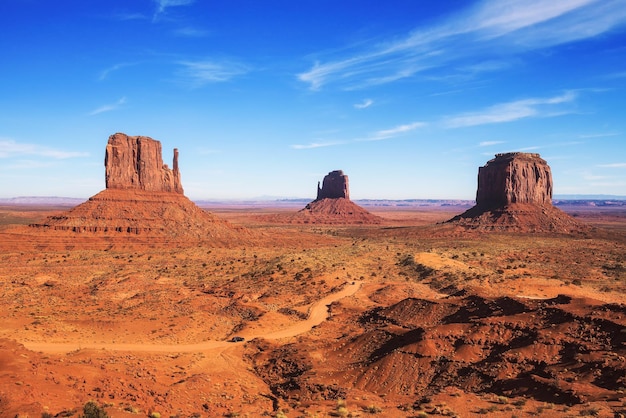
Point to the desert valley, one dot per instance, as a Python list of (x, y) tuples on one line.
[(138, 302)]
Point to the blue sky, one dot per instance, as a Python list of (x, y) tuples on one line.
[(263, 98)]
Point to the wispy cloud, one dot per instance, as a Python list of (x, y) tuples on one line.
[(108, 107), (106, 72), (511, 111), (10, 148), (314, 145), (364, 104), (394, 132), (199, 73), (375, 136), (491, 29), (489, 143), (600, 135), (613, 165), (191, 32), (163, 5)]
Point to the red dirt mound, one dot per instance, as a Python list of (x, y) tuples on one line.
[(561, 350)]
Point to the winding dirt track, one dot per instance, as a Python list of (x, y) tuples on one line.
[(318, 314)]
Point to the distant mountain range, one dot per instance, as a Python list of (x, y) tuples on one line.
[(564, 199)]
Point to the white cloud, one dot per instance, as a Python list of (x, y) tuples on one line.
[(199, 73), (511, 111), (108, 107), (491, 30), (9, 148), (364, 104)]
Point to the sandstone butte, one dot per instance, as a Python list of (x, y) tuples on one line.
[(143, 196), (515, 194), (333, 204)]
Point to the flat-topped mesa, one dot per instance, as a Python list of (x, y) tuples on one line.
[(515, 194), (334, 186), (135, 162), (514, 177)]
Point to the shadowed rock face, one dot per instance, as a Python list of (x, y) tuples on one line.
[(135, 162), (334, 186), (514, 177)]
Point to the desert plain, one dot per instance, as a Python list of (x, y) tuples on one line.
[(406, 318)]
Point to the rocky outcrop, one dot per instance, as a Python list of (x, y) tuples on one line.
[(514, 177), (135, 162), (333, 205), (334, 186), (515, 194)]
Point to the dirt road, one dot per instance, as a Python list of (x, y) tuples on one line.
[(318, 313)]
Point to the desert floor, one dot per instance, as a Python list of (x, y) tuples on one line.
[(402, 319)]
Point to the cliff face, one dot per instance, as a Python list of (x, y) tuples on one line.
[(334, 186), (135, 162), (514, 177)]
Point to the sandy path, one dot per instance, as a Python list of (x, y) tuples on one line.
[(318, 314)]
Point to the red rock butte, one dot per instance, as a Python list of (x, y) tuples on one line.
[(134, 162), (515, 194), (143, 196), (333, 204)]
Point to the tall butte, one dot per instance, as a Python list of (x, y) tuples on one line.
[(333, 204), (515, 194), (143, 196)]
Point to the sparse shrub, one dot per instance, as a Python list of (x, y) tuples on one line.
[(373, 409), (280, 414), (502, 400), (155, 415), (93, 410)]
